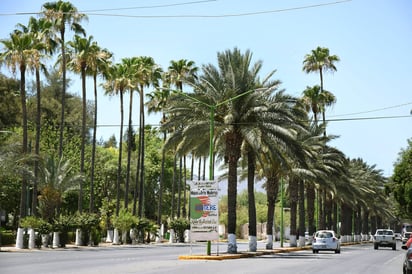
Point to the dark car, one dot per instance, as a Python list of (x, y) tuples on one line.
[(407, 263)]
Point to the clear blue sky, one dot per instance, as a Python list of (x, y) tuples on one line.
[(373, 39)]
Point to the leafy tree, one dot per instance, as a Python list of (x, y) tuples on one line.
[(9, 103), (401, 184)]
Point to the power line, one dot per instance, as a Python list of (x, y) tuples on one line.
[(151, 7), (373, 110), (191, 15)]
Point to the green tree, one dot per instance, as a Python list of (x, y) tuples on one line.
[(118, 81), (147, 73), (17, 54), (80, 52), (402, 181), (98, 63), (43, 44), (60, 14)]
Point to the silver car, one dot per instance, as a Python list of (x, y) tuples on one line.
[(325, 240), (407, 263)]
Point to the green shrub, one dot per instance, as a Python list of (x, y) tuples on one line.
[(7, 237), (179, 226)]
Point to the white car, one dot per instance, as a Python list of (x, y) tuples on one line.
[(325, 240)]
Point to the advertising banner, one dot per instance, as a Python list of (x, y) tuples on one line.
[(204, 217)]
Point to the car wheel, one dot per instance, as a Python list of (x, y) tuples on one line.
[(394, 247), (337, 251), (375, 246), (314, 251)]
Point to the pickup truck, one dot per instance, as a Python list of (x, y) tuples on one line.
[(384, 237)]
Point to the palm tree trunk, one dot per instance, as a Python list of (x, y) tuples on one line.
[(233, 145), (119, 163), (129, 151), (37, 145), (63, 99), (179, 187), (83, 143), (251, 201), (272, 188), (173, 187), (293, 196), (91, 202), (302, 227), (142, 134), (310, 201), (184, 212), (162, 175), (23, 193)]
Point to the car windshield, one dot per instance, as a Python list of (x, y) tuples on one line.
[(324, 234), (385, 232)]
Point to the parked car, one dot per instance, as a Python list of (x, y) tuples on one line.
[(384, 237), (405, 237), (325, 240), (407, 262)]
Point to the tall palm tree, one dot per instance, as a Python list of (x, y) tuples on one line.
[(17, 54), (158, 102), (80, 52), (320, 61), (129, 64), (316, 100), (62, 13), (40, 29), (146, 73), (180, 71), (118, 81), (230, 88), (99, 62)]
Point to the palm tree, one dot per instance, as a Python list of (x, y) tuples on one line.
[(56, 177), (80, 51), (146, 73), (18, 52), (129, 64), (118, 81), (158, 102), (233, 91), (178, 72), (99, 62), (321, 61), (60, 14), (40, 29)]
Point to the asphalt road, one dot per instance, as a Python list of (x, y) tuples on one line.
[(362, 259)]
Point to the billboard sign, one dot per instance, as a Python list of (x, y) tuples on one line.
[(204, 217)]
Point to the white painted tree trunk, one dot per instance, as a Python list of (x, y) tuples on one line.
[(252, 243), (32, 237), (302, 241), (116, 237), (109, 236), (172, 236), (269, 243), (292, 241), (232, 246), (45, 240), (79, 237), (56, 239), (19, 238)]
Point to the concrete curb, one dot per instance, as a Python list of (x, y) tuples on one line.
[(225, 256)]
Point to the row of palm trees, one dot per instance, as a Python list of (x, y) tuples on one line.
[(267, 130), (270, 134)]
